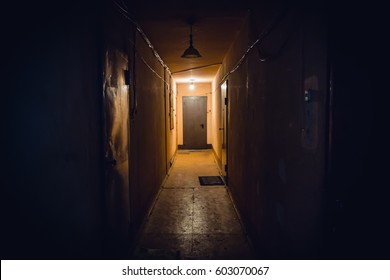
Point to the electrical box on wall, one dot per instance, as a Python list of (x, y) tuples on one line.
[(310, 119), (308, 95)]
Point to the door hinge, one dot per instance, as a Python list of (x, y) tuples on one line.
[(226, 101), (226, 168)]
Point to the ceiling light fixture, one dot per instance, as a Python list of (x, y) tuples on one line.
[(191, 52)]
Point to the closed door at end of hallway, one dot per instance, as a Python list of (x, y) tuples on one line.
[(195, 122)]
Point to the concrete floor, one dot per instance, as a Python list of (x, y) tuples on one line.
[(190, 221)]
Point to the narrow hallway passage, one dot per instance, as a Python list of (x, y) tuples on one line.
[(190, 221), (95, 111)]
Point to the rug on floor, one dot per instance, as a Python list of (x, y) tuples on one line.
[(211, 180)]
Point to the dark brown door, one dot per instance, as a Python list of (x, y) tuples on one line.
[(223, 129), (195, 122), (116, 141)]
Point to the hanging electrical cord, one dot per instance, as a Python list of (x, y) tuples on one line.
[(261, 37), (146, 39), (151, 69), (266, 57), (137, 28)]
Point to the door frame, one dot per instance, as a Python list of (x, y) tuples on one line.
[(224, 128), (185, 145)]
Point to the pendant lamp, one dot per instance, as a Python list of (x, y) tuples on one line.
[(191, 52)]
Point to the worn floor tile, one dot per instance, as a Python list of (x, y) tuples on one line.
[(220, 246), (190, 221)]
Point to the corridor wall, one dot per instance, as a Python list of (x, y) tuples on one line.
[(276, 136), (57, 203)]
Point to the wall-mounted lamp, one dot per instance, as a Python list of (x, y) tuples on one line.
[(191, 86), (191, 52)]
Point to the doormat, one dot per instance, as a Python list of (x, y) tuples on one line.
[(210, 180)]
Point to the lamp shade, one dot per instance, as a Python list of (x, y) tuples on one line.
[(191, 52)]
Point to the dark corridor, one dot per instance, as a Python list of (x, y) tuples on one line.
[(92, 118)]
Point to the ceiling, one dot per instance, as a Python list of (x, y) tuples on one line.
[(166, 26)]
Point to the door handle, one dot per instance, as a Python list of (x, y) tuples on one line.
[(221, 128), (202, 125)]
